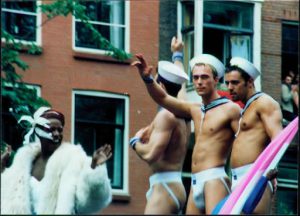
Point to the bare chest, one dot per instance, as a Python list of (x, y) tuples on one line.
[(38, 168), (210, 122), (250, 120)]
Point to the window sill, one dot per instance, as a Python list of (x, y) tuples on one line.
[(25, 48), (98, 57), (121, 198)]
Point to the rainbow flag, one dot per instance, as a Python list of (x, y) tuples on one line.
[(266, 161)]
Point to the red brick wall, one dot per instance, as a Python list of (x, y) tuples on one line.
[(58, 73), (273, 12)]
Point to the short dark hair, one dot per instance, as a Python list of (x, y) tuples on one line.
[(171, 88), (243, 73)]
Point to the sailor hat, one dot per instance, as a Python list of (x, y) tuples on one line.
[(171, 72), (211, 60), (247, 66)]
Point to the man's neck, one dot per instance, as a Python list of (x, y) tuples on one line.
[(206, 99), (251, 92)]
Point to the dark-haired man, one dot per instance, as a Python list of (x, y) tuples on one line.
[(259, 123), (163, 144), (51, 177)]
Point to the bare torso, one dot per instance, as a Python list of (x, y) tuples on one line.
[(213, 143), (253, 136), (173, 157)]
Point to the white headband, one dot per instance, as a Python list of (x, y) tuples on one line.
[(36, 120)]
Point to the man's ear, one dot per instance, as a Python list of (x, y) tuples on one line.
[(216, 79), (251, 81)]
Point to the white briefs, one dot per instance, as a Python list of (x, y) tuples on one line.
[(164, 178), (237, 174), (199, 179)]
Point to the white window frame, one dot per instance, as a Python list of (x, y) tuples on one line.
[(99, 51), (125, 190), (198, 37), (38, 27)]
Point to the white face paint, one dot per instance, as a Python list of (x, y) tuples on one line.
[(43, 134)]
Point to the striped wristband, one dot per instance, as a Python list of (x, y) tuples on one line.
[(133, 141), (148, 79), (177, 56)]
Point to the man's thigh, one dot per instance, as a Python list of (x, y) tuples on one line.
[(214, 192), (160, 202), (191, 207), (264, 205)]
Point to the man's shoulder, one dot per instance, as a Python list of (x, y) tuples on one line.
[(266, 101), (230, 106)]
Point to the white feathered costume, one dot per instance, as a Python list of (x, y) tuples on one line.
[(69, 185)]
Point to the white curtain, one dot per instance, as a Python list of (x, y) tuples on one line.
[(240, 46), (116, 18)]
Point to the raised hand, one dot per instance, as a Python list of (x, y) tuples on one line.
[(5, 156), (176, 45), (143, 134), (141, 64), (101, 155)]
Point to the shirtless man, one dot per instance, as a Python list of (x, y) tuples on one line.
[(163, 145), (215, 122), (259, 124)]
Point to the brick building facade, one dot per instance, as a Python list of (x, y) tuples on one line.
[(64, 74)]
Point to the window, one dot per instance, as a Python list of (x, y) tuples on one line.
[(287, 188), (289, 52), (225, 30), (12, 133), (100, 118), (21, 19), (110, 19)]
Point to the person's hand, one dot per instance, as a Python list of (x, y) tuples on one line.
[(101, 155), (143, 134), (5, 156), (141, 64), (271, 176), (176, 45), (295, 88)]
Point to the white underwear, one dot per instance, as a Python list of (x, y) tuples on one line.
[(163, 178), (237, 174), (199, 179)]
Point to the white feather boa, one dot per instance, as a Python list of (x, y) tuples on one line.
[(69, 184)]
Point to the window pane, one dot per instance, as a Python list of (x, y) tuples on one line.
[(100, 120), (228, 14), (105, 11), (28, 6), (21, 26), (99, 109), (290, 39), (286, 202), (112, 33), (188, 14)]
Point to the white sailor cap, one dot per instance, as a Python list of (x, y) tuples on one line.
[(247, 66), (172, 72), (209, 59)]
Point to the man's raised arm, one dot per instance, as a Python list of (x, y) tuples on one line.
[(178, 107)]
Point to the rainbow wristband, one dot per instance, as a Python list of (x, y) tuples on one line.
[(133, 141), (177, 56)]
